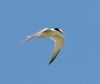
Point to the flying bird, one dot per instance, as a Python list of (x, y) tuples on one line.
[(55, 34)]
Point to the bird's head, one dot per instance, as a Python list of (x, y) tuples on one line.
[(58, 30)]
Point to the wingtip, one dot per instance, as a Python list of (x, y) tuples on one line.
[(49, 63)]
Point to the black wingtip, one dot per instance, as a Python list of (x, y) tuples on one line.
[(50, 62), (53, 58)]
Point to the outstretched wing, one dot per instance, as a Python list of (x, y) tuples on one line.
[(58, 45)]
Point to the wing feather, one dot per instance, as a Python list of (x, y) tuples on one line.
[(58, 45)]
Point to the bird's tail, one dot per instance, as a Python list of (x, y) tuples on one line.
[(27, 38)]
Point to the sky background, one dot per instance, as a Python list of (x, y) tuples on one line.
[(79, 60)]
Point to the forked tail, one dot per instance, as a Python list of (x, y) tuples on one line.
[(27, 39)]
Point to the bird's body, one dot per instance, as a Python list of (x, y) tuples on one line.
[(55, 34)]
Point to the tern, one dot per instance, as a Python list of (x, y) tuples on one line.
[(55, 34)]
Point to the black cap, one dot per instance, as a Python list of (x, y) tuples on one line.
[(57, 29)]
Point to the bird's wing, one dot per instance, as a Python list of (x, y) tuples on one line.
[(58, 45)]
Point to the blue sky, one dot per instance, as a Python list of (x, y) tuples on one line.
[(79, 60)]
